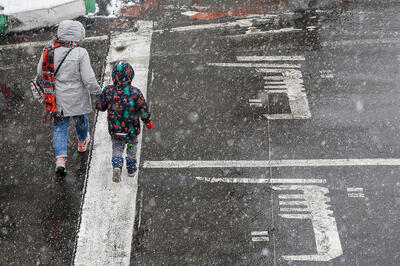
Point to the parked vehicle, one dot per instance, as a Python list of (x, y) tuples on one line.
[(25, 15)]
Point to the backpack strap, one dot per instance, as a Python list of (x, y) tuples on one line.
[(58, 68)]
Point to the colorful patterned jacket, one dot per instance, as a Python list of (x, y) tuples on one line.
[(124, 103)]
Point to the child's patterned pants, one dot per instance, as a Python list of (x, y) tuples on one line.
[(118, 147)]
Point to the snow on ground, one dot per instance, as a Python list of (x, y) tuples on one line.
[(115, 6), (13, 6)]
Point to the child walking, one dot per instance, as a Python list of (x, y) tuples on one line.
[(125, 104)]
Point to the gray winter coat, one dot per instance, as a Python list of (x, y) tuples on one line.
[(75, 80)]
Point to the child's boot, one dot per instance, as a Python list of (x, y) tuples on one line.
[(60, 167), (131, 166), (117, 163)]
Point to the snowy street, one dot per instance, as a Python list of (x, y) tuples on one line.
[(275, 139)]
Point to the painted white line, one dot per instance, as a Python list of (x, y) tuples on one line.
[(43, 43), (259, 233), (273, 78), (294, 209), (290, 196), (270, 58), (255, 103), (355, 189), (255, 31), (108, 212), (255, 65), (276, 91), (262, 180), (362, 42), (355, 192), (272, 71), (296, 216), (242, 23), (356, 195), (260, 239), (324, 224), (315, 202), (291, 202), (272, 163)]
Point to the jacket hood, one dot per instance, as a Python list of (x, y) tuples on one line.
[(71, 30), (122, 73)]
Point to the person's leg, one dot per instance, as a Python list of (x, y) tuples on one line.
[(60, 136), (82, 131), (60, 140), (131, 156), (117, 161)]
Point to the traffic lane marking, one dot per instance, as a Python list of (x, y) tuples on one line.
[(201, 218), (272, 163), (358, 220), (43, 43), (107, 218), (315, 206)]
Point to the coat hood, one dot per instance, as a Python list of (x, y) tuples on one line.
[(122, 73), (71, 30)]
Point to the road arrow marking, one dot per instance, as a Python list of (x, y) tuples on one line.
[(311, 203)]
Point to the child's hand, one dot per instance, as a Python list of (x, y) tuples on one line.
[(150, 125)]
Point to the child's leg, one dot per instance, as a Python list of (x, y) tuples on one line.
[(131, 156), (117, 149)]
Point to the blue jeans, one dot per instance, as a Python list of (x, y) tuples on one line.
[(60, 136)]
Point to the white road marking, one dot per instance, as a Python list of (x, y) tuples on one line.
[(292, 210), (291, 202), (108, 212), (260, 236), (356, 195), (255, 65), (42, 44), (355, 189), (256, 31), (355, 192), (271, 163), (311, 28), (362, 42), (242, 23), (314, 205), (273, 78), (276, 90), (255, 103), (260, 239), (326, 74), (317, 205), (261, 180), (270, 58), (259, 233), (290, 196), (291, 79)]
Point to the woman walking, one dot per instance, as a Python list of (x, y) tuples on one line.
[(68, 80)]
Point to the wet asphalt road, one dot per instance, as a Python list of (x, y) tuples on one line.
[(350, 74)]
